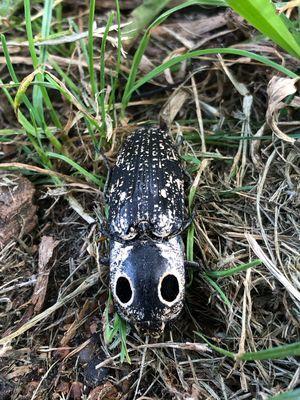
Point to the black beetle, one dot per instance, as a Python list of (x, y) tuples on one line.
[(145, 195)]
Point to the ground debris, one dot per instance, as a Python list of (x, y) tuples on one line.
[(107, 391), (60, 336), (17, 211), (76, 390), (279, 88), (6, 389)]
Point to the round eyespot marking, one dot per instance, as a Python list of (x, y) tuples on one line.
[(168, 290), (123, 290)]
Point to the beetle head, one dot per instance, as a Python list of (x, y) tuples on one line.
[(147, 281)]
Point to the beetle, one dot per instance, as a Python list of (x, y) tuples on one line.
[(145, 195)]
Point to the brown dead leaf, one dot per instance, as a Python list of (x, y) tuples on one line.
[(17, 212), (254, 147), (30, 388), (47, 246), (79, 320), (19, 371), (7, 150), (46, 249), (278, 89), (36, 302), (105, 392), (174, 104), (63, 388), (184, 31), (76, 390)]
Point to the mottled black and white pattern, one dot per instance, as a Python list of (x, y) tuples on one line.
[(146, 188), (146, 218)]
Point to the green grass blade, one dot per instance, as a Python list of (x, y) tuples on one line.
[(286, 350), (118, 331), (7, 94), (91, 49), (35, 63), (102, 71), (90, 177), (232, 271), (190, 243), (141, 16), (9, 7), (46, 25), (145, 40), (124, 355), (16, 132), (32, 51), (59, 85), (291, 395), (65, 77), (59, 17), (147, 11), (197, 53), (109, 332), (20, 95), (91, 126), (216, 348), (8, 61), (39, 114), (115, 79), (223, 296), (26, 82), (262, 15), (14, 76), (29, 128)]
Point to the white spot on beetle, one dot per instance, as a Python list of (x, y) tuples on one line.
[(118, 253), (122, 196), (163, 192), (179, 183)]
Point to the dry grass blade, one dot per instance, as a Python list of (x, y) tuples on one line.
[(239, 146), (279, 89), (89, 282), (79, 209), (43, 171), (256, 248), (46, 250), (173, 105), (289, 6)]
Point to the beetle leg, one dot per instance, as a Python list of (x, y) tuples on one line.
[(192, 264), (188, 180), (105, 189), (187, 222), (104, 232), (111, 236), (108, 167), (105, 160)]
